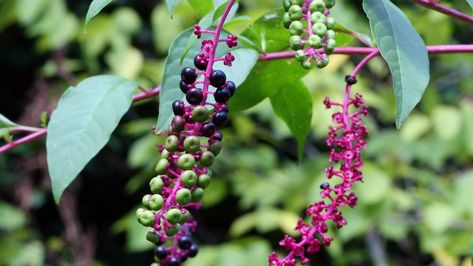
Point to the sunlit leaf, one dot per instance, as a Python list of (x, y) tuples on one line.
[(94, 9)]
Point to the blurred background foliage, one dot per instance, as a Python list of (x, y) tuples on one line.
[(415, 208)]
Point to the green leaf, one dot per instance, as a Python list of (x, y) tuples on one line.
[(82, 124), (293, 104), (172, 5), (16, 218), (94, 9), (5, 122), (202, 6), (245, 59), (404, 51), (470, 2)]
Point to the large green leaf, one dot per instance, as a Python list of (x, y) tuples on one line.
[(82, 124), (202, 6), (293, 104), (470, 2), (404, 51), (94, 9), (245, 59), (5, 122), (172, 5)]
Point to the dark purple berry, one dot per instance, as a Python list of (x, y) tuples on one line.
[(188, 75), (200, 63), (185, 242), (217, 135), (222, 95), (324, 185), (208, 129), (220, 119), (350, 80), (178, 107), (178, 123), (193, 250), (217, 78), (231, 87), (223, 108), (173, 262), (160, 252), (194, 96), (183, 86)]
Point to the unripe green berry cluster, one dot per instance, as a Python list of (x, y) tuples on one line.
[(312, 30)]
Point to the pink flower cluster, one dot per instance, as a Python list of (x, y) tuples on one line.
[(346, 140)]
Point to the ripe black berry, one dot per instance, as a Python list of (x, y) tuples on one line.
[(217, 78), (200, 63), (188, 75), (183, 86), (231, 87), (220, 119), (217, 136), (222, 95), (178, 107), (208, 129), (324, 185), (173, 262), (178, 123), (193, 250), (350, 80), (185, 242), (160, 252), (194, 96)]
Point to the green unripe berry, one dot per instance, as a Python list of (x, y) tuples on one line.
[(317, 6), (204, 181), (307, 64), (162, 166), (331, 43), (314, 41), (152, 237), (330, 34), (156, 202), (207, 159), (330, 23), (189, 178), (185, 216), (173, 216), (296, 2), (295, 42), (186, 161), (173, 230), (319, 29), (300, 55), (215, 147), (165, 154), (200, 114), (286, 4), (286, 20), (156, 184), (295, 12), (145, 201), (183, 196), (192, 144), (321, 63), (171, 143), (296, 28), (197, 194), (145, 217), (330, 3), (318, 17)]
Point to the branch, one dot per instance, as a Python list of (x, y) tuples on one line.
[(41, 132), (433, 4)]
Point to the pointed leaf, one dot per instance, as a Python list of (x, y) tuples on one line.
[(404, 51), (293, 104), (82, 124), (172, 5), (94, 9), (470, 2), (5, 122)]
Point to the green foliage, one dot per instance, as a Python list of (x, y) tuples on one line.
[(82, 124), (94, 9), (403, 50), (470, 2)]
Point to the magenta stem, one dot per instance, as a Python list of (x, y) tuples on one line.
[(433, 4)]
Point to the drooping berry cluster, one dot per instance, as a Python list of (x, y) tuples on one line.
[(346, 140), (193, 142), (311, 30)]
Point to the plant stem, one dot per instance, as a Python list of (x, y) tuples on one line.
[(433, 4)]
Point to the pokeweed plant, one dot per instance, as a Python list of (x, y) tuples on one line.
[(193, 108)]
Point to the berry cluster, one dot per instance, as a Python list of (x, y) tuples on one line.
[(311, 30), (346, 140), (190, 148)]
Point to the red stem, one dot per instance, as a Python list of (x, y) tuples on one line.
[(433, 4)]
